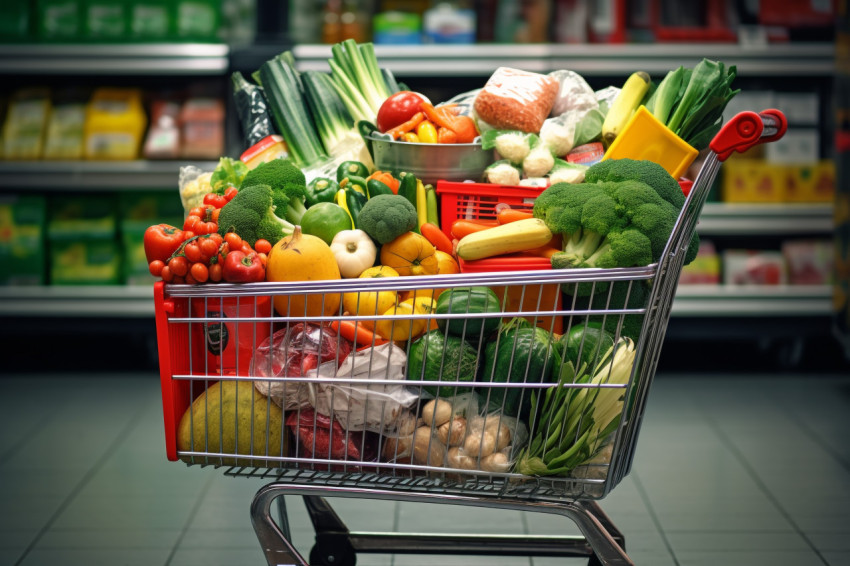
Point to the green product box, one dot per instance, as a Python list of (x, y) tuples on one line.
[(15, 21), (151, 20), (106, 20), (85, 261), (59, 20), (23, 260), (138, 211), (83, 217), (198, 20)]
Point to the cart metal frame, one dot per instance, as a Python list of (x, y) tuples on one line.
[(314, 478)]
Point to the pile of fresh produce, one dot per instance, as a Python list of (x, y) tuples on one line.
[(322, 211)]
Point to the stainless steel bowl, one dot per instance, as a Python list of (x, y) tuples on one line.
[(432, 161)]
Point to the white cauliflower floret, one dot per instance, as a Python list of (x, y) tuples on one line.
[(558, 134), (513, 146), (538, 162), (502, 173), (565, 172)]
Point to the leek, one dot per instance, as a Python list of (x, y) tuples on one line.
[(357, 78), (332, 119)]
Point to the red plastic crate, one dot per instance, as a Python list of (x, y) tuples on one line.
[(480, 201)]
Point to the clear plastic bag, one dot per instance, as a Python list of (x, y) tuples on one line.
[(193, 184), (513, 99)]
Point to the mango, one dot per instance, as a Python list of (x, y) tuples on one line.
[(232, 417)]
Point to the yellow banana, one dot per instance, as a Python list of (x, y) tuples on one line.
[(630, 97)]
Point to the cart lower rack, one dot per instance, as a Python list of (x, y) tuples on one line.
[(518, 390)]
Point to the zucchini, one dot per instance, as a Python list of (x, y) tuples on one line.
[(504, 239)]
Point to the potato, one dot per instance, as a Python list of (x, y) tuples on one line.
[(496, 462), (503, 437), (406, 424), (452, 432), (436, 412), (427, 449), (494, 425), (457, 458), (480, 444), (398, 449)]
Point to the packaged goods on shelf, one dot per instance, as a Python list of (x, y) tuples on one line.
[(198, 20), (150, 20), (106, 20), (202, 127), (25, 124), (115, 124), (59, 20), (83, 246), (22, 240), (797, 146), (810, 262), (705, 269), (15, 18), (163, 137), (757, 181), (754, 267), (66, 128)]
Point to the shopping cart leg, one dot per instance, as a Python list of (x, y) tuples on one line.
[(337, 546), (276, 546)]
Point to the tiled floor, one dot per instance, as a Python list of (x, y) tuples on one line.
[(730, 470)]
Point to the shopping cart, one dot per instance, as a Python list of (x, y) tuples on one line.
[(255, 382)]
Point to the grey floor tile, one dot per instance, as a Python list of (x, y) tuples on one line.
[(837, 558), (558, 561), (231, 537), (435, 518), (749, 558), (214, 556), (108, 538), (97, 557), (829, 541), (127, 511), (458, 560), (686, 541)]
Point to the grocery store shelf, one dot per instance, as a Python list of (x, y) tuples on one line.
[(117, 301), (588, 60), (98, 301), (721, 219), (115, 59), (94, 175), (753, 301)]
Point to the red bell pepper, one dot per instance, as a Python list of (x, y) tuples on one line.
[(241, 268)]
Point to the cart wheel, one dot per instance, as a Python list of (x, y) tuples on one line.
[(334, 553)]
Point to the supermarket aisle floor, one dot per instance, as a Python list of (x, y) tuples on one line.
[(729, 470)]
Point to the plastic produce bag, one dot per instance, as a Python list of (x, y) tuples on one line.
[(574, 94), (318, 436), (376, 407), (513, 99), (193, 184), (293, 352)]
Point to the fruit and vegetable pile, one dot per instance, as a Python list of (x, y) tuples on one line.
[(323, 211)]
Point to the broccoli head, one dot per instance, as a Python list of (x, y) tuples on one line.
[(618, 295), (646, 171), (251, 214), (386, 217), (288, 183)]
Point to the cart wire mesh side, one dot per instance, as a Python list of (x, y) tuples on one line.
[(514, 389)]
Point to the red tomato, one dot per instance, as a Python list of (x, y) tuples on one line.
[(160, 241), (398, 108)]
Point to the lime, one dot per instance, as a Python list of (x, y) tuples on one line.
[(325, 220)]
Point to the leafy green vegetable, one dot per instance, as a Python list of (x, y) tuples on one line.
[(358, 80), (229, 172)]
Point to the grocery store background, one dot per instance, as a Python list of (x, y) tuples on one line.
[(765, 306)]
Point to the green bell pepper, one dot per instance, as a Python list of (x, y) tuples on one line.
[(376, 187), (356, 183), (349, 168), (319, 190), (354, 200)]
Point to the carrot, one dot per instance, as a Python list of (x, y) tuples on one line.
[(546, 251), (357, 333), (461, 228), (434, 235), (446, 135), (507, 215), (406, 126), (462, 126)]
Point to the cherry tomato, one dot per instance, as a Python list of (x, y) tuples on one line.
[(166, 274), (190, 280), (209, 247), (215, 200), (264, 258), (200, 272), (160, 241), (179, 266), (214, 216), (178, 280), (209, 227), (398, 109), (246, 248), (192, 251), (188, 235), (230, 192), (233, 240), (215, 272), (155, 267), (191, 221), (262, 246)]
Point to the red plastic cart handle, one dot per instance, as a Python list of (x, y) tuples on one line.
[(746, 130)]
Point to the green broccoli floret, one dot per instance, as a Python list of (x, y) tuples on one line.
[(646, 171), (386, 217), (251, 214), (288, 183), (611, 224)]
